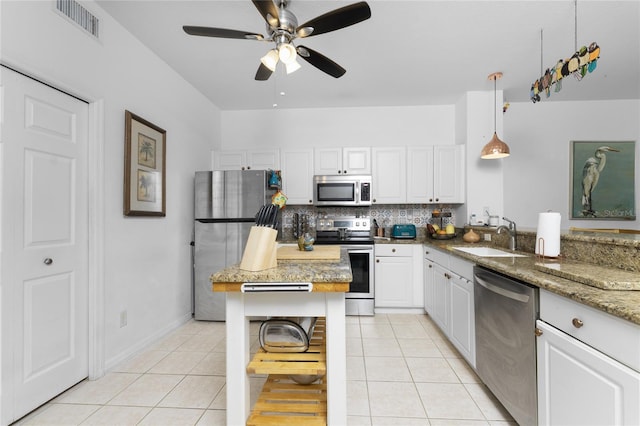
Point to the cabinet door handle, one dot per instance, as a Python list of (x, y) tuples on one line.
[(577, 323), (48, 261), (393, 250), (538, 332), (377, 260), (430, 266), (339, 171), (447, 276), (345, 172)]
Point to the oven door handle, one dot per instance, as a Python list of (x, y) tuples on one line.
[(501, 291)]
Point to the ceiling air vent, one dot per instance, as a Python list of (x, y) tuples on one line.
[(78, 14)]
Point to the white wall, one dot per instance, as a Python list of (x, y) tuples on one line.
[(146, 260), (330, 127), (536, 175)]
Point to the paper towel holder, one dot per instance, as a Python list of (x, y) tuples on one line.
[(540, 254)]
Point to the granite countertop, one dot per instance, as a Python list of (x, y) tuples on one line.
[(327, 275), (620, 303)]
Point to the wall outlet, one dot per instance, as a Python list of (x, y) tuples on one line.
[(123, 318), (487, 236)]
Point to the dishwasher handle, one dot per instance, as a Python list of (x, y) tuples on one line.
[(501, 291)]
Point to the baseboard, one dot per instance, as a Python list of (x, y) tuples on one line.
[(145, 343)]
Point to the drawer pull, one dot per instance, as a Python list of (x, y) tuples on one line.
[(393, 250), (538, 332), (577, 323)]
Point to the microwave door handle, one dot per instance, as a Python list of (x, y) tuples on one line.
[(357, 192)]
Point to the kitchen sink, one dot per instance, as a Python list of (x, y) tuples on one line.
[(488, 252)]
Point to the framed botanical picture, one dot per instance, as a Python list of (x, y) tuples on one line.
[(603, 180), (144, 167)]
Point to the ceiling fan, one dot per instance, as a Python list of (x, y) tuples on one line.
[(283, 29)]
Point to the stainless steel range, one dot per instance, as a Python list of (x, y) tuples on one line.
[(354, 234)]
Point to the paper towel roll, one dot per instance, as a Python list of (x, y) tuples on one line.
[(548, 235)]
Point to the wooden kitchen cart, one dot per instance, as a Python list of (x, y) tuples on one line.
[(282, 400), (328, 282)]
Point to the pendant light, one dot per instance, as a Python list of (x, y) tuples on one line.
[(495, 148)]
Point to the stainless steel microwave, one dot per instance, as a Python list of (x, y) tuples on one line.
[(341, 190)]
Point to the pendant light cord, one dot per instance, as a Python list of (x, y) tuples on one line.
[(575, 25), (495, 100)]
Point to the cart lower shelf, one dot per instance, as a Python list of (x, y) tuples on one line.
[(283, 401)]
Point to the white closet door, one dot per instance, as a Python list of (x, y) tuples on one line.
[(44, 243)]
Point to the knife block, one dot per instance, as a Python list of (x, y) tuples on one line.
[(261, 249)]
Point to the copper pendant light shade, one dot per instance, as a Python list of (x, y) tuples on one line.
[(495, 148)]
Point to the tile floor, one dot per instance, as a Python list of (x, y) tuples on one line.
[(400, 369)]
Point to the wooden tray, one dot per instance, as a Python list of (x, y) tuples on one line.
[(318, 253)]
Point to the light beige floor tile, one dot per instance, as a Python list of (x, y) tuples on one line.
[(359, 421), (381, 347), (200, 343), (194, 392), (213, 364), (357, 398), (113, 415), (394, 400), (220, 400), (377, 331), (97, 391), (170, 342), (198, 327), (352, 319), (354, 347), (433, 370), (450, 422), (501, 423), (387, 369), (398, 421), (355, 368), (374, 319), (464, 372), (409, 331), (488, 404), (60, 414), (172, 417), (447, 349), (352, 331), (213, 418), (397, 319), (178, 363), (141, 363), (147, 391), (448, 401), (419, 348)]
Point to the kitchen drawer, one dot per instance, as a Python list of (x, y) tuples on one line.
[(462, 267), (437, 256), (399, 250), (618, 338)]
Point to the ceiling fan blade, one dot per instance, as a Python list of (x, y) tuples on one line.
[(269, 12), (263, 73), (335, 20), (221, 33), (321, 62)]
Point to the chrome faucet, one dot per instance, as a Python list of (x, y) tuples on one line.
[(513, 243)]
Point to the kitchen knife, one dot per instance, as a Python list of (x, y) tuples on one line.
[(260, 217)]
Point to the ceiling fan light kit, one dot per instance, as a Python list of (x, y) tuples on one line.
[(495, 148), (283, 29)]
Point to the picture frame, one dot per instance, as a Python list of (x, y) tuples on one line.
[(144, 167), (602, 179)]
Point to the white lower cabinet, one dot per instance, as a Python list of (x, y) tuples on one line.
[(398, 276), (578, 384), (448, 290), (462, 330)]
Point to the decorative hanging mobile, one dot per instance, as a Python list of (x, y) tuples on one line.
[(583, 61)]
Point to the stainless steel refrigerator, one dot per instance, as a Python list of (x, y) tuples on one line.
[(225, 206)]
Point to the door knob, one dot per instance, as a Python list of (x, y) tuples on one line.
[(48, 261)]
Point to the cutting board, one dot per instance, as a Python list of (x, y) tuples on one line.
[(318, 253)]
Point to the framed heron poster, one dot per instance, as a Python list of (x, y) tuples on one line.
[(144, 168), (603, 180)]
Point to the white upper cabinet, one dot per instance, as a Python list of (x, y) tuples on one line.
[(338, 161), (297, 175), (448, 174), (389, 175), (268, 159), (435, 174)]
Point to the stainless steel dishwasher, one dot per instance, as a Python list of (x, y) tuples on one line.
[(506, 313)]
